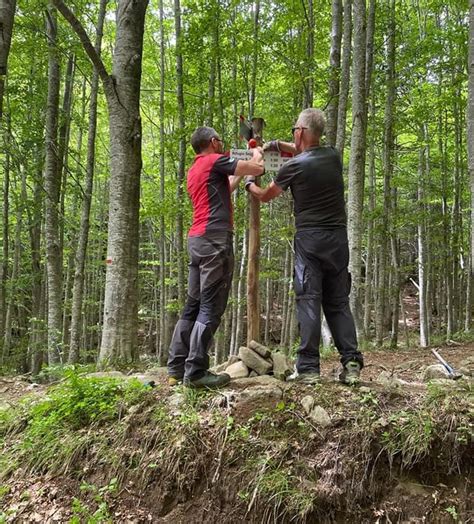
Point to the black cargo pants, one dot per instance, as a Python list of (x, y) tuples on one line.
[(210, 277), (321, 278)]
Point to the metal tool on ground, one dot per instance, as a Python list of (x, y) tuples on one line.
[(452, 373)]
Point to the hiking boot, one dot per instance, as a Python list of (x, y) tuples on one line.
[(174, 381), (209, 380), (305, 378), (350, 373)]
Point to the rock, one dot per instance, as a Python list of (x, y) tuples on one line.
[(263, 351), (220, 368), (444, 382), (263, 381), (307, 403), (232, 360), (281, 369), (106, 374), (259, 390), (365, 389), (148, 379), (465, 372), (320, 416), (388, 380), (434, 371), (254, 361), (176, 402), (237, 370), (253, 374)]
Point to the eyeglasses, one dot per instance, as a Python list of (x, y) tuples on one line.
[(293, 129)]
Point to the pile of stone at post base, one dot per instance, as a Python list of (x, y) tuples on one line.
[(256, 360)]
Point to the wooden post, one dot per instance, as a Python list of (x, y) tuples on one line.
[(253, 304)]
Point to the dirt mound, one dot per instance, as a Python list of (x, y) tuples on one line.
[(101, 449)]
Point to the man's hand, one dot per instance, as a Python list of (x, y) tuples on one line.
[(248, 182)]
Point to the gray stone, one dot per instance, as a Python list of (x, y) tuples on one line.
[(263, 351), (307, 403), (281, 369), (176, 402), (106, 374), (254, 361), (388, 380), (434, 371), (237, 370), (220, 368), (320, 416), (257, 380), (232, 360), (445, 382), (253, 374)]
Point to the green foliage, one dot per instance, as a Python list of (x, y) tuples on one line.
[(55, 428), (101, 515)]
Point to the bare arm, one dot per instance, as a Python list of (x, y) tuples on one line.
[(253, 167), (265, 194), (280, 145)]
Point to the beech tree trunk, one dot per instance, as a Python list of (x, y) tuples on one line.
[(7, 16), (345, 77), (334, 72), (78, 287), (357, 158), (470, 151), (52, 185)]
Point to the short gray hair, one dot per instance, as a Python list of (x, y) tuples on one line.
[(201, 137), (314, 120)]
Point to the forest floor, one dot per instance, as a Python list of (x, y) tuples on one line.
[(100, 448)]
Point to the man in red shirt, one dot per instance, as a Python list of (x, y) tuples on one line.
[(211, 180)]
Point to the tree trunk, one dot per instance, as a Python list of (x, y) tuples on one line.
[(421, 238), (357, 159), (181, 152), (52, 185), (163, 350), (470, 126), (81, 253), (308, 82), (345, 77), (119, 335), (334, 72), (7, 16)]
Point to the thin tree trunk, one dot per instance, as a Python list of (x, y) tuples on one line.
[(240, 301), (345, 77), (357, 159), (308, 83), (334, 71), (81, 253), (370, 259), (52, 185), (182, 150), (6, 223), (163, 350), (424, 336), (470, 130)]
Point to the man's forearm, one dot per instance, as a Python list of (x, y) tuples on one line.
[(234, 181)]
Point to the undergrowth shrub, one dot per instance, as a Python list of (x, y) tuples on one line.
[(54, 430)]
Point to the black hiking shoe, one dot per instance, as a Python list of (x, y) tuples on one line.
[(209, 380), (305, 378), (350, 373)]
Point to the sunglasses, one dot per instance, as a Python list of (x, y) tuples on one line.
[(293, 129)]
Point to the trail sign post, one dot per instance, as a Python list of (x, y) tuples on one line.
[(253, 268), (273, 161)]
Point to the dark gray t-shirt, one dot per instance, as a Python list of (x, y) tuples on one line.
[(317, 186)]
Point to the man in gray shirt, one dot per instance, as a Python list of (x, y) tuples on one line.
[(321, 277)]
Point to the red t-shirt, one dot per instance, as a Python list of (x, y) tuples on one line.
[(209, 189)]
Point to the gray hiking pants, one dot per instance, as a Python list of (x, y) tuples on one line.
[(210, 276)]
